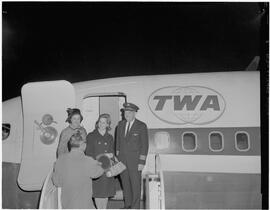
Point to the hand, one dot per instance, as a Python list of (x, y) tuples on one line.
[(99, 163), (140, 167), (109, 173), (109, 155)]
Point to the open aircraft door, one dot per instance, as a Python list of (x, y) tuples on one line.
[(44, 115)]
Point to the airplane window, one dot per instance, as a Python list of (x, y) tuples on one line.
[(189, 143), (216, 141), (162, 140), (5, 131), (242, 141)]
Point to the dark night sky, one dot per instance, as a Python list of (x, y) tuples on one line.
[(86, 41)]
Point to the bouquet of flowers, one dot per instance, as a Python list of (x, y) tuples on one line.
[(111, 164)]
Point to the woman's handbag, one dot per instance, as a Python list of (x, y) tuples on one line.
[(117, 168)]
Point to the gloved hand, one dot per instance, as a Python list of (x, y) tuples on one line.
[(109, 155), (140, 167), (99, 163)]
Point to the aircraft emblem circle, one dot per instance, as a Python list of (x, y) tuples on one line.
[(47, 119), (187, 116), (49, 135)]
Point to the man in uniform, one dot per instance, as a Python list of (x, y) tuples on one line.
[(131, 149)]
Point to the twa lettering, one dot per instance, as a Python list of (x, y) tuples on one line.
[(182, 105), (211, 102)]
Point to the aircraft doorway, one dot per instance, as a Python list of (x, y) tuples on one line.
[(94, 105)]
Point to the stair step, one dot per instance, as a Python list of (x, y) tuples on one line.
[(118, 204)]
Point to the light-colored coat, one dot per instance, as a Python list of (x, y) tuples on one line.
[(65, 136), (73, 172)]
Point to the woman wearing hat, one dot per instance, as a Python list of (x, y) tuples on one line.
[(74, 119), (99, 142)]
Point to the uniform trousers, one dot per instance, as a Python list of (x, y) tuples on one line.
[(131, 181)]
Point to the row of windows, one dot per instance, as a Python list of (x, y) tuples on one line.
[(216, 141), (189, 140)]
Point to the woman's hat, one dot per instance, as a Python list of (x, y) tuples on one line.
[(72, 112)]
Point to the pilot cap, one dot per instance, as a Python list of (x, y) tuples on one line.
[(130, 107)]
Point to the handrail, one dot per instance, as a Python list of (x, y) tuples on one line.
[(44, 188), (50, 194), (162, 190), (159, 171), (59, 192)]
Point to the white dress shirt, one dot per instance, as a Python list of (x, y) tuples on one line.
[(131, 123)]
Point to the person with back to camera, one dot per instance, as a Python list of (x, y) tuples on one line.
[(101, 142), (131, 149), (74, 119), (73, 172)]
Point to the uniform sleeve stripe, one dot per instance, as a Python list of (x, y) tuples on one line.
[(142, 157)]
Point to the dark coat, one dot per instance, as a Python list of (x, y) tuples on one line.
[(133, 148), (103, 187)]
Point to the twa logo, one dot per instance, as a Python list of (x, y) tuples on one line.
[(187, 105)]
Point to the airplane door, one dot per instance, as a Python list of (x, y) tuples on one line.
[(94, 105), (112, 106), (44, 115), (90, 112)]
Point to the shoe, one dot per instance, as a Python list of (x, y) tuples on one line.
[(126, 207)]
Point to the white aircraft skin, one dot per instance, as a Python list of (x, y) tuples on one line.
[(204, 126)]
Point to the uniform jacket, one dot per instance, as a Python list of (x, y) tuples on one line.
[(65, 136), (103, 187), (133, 148), (73, 172)]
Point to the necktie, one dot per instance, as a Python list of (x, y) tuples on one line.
[(127, 129)]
